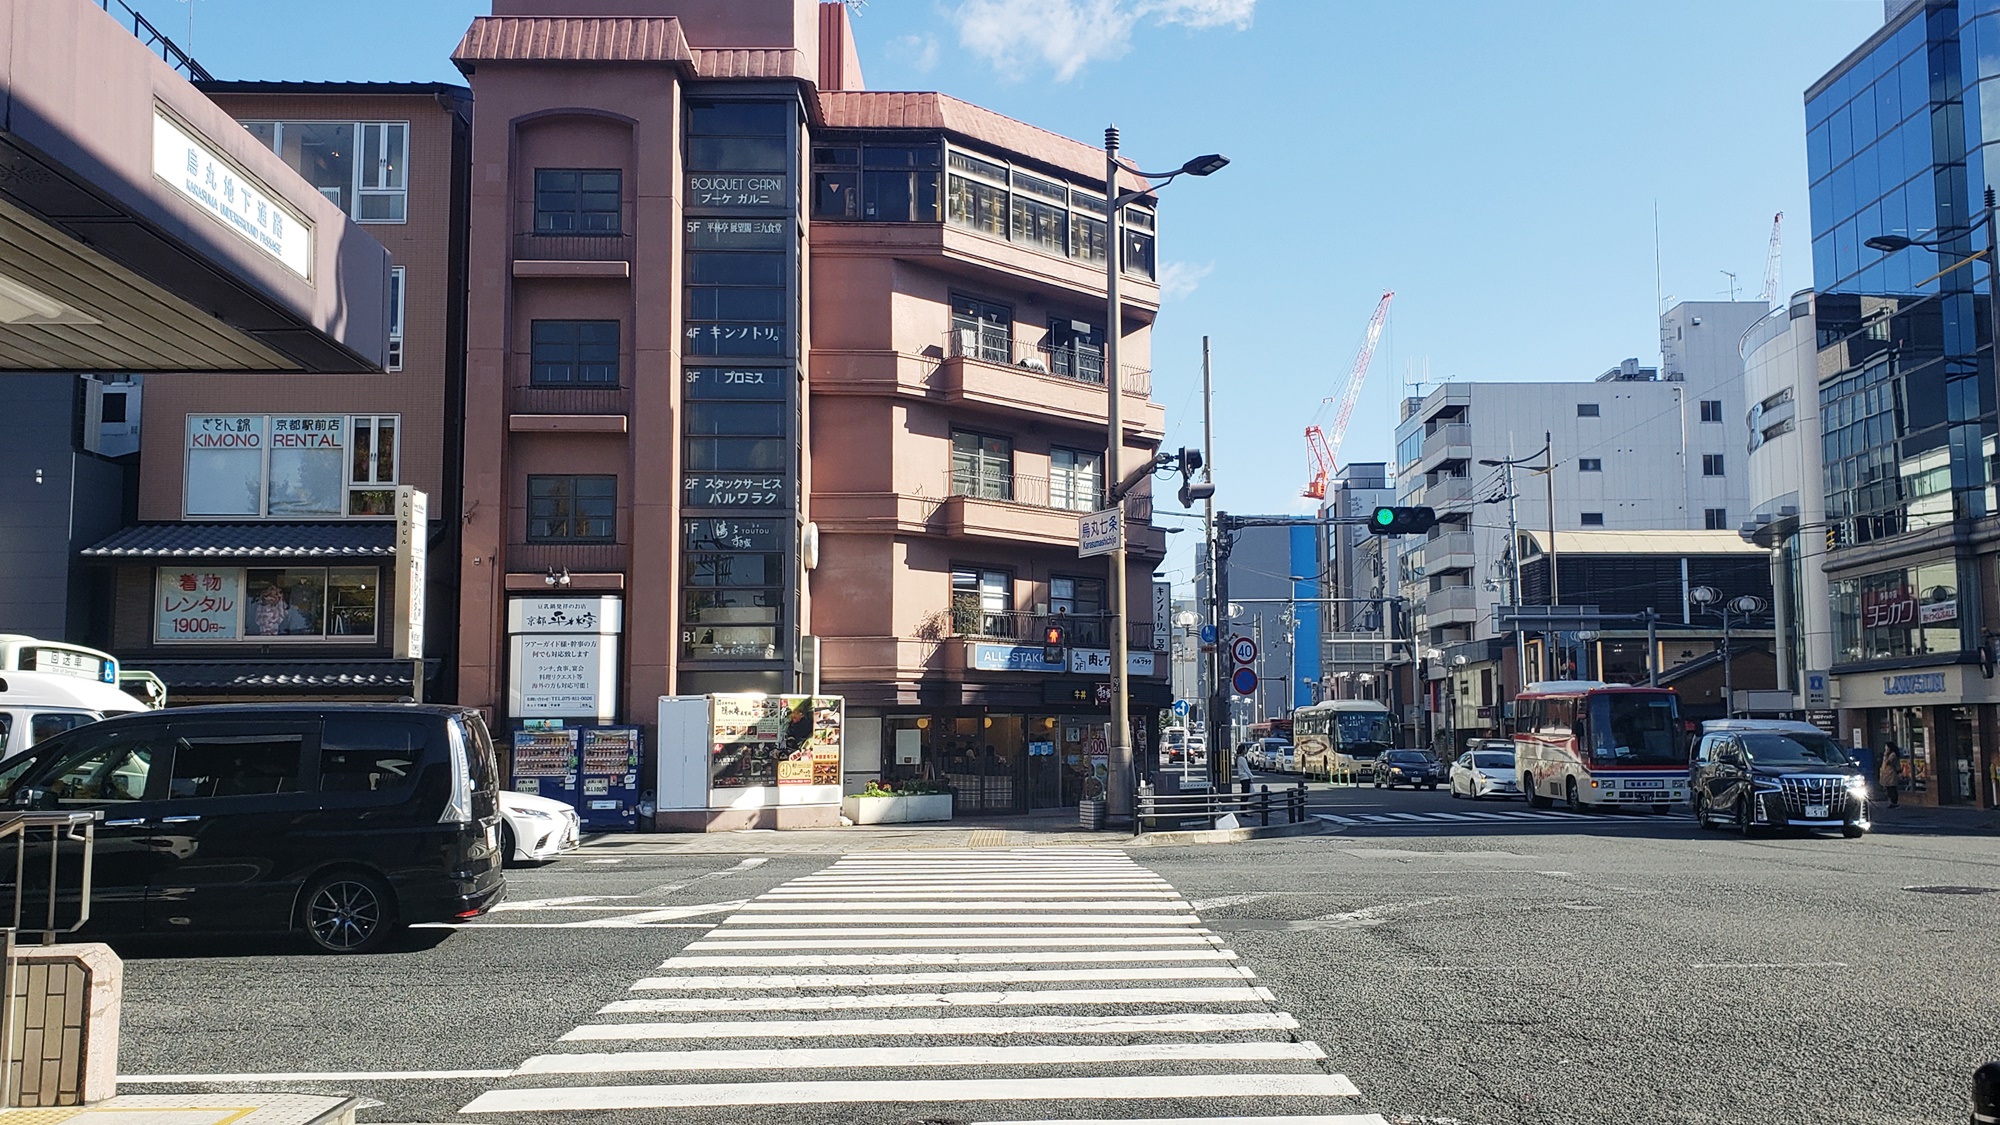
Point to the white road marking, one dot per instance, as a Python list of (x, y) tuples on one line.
[(308, 1076), (1046, 998), (971, 976), (1225, 900), (1375, 818), (753, 861), (1769, 965), (768, 905), (604, 861), (1178, 1023), (708, 942), (942, 957), (919, 895), (690, 1095), (664, 914), (731, 933), (929, 1054), (1182, 918), (607, 923), (1309, 1119), (1337, 819)]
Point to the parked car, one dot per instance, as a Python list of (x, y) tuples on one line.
[(1414, 768), (536, 829), (35, 706), (341, 823), (1275, 755), (1482, 773), (1766, 776)]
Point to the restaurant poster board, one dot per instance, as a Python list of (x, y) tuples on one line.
[(756, 750)]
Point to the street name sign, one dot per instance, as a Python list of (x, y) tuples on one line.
[(1100, 533)]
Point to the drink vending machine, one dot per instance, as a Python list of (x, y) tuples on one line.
[(610, 779), (594, 770)]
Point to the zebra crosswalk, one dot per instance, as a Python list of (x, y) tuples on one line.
[(1485, 818), (988, 987)]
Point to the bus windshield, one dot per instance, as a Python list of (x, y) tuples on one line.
[(1363, 731), (1634, 730)]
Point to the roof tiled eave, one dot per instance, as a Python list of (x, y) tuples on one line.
[(572, 39), (342, 540)]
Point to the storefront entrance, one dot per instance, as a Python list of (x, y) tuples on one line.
[(1957, 756), (1001, 763)]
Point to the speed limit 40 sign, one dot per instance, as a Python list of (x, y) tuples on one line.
[(1244, 650)]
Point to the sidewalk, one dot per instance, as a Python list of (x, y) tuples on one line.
[(1055, 829), (247, 1108), (1951, 821)]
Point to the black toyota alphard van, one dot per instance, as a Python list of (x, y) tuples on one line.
[(342, 823)]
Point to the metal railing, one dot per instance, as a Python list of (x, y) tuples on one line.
[(1078, 493), (1081, 630), (1168, 812), (157, 42), (1077, 362), (582, 399), (23, 828)]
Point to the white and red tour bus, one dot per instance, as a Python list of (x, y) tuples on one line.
[(1592, 744)]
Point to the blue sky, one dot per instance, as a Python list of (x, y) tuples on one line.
[(1496, 164)]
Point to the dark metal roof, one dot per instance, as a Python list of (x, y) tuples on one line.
[(294, 675), (346, 539), (400, 89)]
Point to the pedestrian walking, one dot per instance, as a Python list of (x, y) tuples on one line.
[(1891, 774), (1243, 774)]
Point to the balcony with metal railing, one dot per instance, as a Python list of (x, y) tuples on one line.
[(1452, 605), (988, 368), (1448, 492), (1451, 441), (1023, 508), (1449, 552), (532, 247), (970, 620)]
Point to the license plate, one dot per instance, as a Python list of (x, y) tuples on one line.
[(1655, 784), (1816, 812)]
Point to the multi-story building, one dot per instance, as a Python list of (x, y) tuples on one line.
[(1896, 140), (260, 565), (1787, 497), (1274, 577), (784, 385)]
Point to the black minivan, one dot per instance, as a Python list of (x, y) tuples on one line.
[(341, 822)]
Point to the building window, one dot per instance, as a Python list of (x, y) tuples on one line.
[(1076, 479), (877, 183), (1590, 464), (735, 437), (396, 298), (981, 465), (278, 466), (1586, 410), (578, 201), (1715, 519), (1711, 464), (196, 604), (736, 299), (1591, 519), (1074, 349), (573, 353), (361, 166), (1079, 604), (982, 603), (982, 329), (1711, 410), (733, 587), (371, 476), (572, 509), (1038, 214)]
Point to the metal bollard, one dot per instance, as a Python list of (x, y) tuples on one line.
[(1986, 1095)]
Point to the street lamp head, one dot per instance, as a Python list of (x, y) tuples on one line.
[(1749, 605), (1205, 165), (1889, 243), (1704, 595)]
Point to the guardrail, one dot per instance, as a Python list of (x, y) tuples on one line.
[(1168, 812), (28, 830)]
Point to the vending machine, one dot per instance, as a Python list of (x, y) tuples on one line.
[(545, 762), (608, 799)]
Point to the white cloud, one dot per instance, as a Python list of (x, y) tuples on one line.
[(919, 52), (1020, 36), (1178, 279)]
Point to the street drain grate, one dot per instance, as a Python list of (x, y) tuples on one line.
[(1953, 890)]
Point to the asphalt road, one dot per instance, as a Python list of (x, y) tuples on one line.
[(1614, 968)]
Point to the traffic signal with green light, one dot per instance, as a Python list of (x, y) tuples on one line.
[(1401, 521)]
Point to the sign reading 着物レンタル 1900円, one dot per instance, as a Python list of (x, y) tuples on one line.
[(205, 178)]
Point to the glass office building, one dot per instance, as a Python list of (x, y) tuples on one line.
[(1897, 137)]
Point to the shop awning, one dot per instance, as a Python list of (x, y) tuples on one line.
[(277, 676), (342, 540)]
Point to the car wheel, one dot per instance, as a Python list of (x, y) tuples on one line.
[(1432, 786), (1746, 821), (347, 912), (1573, 796), (508, 856), (1701, 817), (1852, 830), (1455, 794)]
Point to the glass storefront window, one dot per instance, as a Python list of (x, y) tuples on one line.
[(1906, 612)]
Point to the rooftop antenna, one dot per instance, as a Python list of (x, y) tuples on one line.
[(1659, 293), (1732, 283)]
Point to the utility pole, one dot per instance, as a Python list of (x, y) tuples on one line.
[(1123, 784), (1257, 635), (1212, 667)]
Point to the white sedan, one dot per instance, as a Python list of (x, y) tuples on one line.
[(1484, 773), (536, 829)]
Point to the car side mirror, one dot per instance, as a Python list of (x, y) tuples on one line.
[(27, 798)]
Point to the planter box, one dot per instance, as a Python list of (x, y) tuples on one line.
[(897, 810)]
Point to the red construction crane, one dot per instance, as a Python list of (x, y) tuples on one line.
[(1322, 446)]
